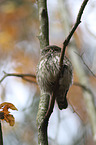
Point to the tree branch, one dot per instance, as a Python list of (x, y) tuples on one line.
[(65, 43), (81, 56), (52, 99), (25, 77), (46, 108), (44, 98), (78, 21), (42, 124), (44, 26)]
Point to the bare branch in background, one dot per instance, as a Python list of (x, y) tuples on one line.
[(81, 56), (84, 80), (92, 34), (25, 77), (85, 88)]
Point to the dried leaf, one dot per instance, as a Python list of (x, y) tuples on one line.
[(7, 105), (11, 119), (5, 114)]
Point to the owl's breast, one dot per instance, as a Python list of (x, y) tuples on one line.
[(47, 71)]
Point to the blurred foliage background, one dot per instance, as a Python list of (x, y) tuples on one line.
[(19, 53)]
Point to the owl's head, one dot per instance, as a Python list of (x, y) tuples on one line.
[(50, 49)]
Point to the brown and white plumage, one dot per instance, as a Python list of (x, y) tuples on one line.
[(47, 71)]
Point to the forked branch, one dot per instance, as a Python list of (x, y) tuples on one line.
[(65, 43), (78, 21)]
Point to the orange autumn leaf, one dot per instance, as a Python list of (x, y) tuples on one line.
[(10, 119), (7, 105), (5, 114)]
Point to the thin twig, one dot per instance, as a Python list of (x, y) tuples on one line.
[(81, 56), (52, 100), (85, 88), (50, 108), (23, 76), (89, 31), (1, 137), (78, 21)]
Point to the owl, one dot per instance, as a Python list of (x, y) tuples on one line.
[(47, 72)]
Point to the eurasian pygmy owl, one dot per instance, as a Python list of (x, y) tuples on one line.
[(47, 71)]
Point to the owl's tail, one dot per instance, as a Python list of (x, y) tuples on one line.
[(62, 100)]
